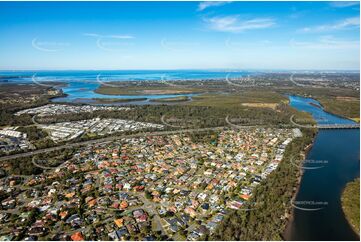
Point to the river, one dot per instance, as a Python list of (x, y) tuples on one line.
[(332, 162)]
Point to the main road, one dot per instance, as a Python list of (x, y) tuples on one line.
[(108, 139), (140, 134), (325, 126)]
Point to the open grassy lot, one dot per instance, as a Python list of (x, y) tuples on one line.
[(261, 105)]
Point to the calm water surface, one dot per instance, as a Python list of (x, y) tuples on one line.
[(337, 152), (81, 84)]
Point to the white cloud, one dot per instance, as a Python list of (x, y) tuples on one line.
[(326, 42), (344, 24), (203, 5), (91, 35), (119, 36), (344, 4), (234, 24)]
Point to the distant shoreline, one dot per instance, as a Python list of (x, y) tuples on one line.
[(136, 91), (117, 100)]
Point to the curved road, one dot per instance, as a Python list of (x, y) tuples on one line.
[(294, 82), (46, 167)]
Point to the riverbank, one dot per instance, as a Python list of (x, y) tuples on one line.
[(344, 107), (273, 198), (341, 101), (338, 110), (351, 204), (338, 148), (287, 230)]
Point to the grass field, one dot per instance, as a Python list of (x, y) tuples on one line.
[(261, 105)]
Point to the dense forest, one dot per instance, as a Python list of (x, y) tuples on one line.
[(271, 200)]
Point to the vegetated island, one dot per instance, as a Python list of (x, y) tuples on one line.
[(315, 105), (146, 90), (171, 99), (351, 204), (117, 100)]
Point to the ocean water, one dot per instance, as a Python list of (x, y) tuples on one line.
[(81, 84), (128, 74)]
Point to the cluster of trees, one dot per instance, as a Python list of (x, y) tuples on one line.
[(7, 117), (351, 203), (205, 137), (24, 165), (270, 203), (7, 112), (21, 166), (57, 157), (33, 133), (15, 93), (37, 136)]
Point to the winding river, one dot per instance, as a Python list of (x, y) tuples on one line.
[(335, 153)]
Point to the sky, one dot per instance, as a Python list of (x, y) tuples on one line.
[(179, 35)]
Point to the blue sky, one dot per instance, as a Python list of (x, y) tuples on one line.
[(179, 35)]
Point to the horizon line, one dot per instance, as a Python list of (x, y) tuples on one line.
[(183, 69)]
